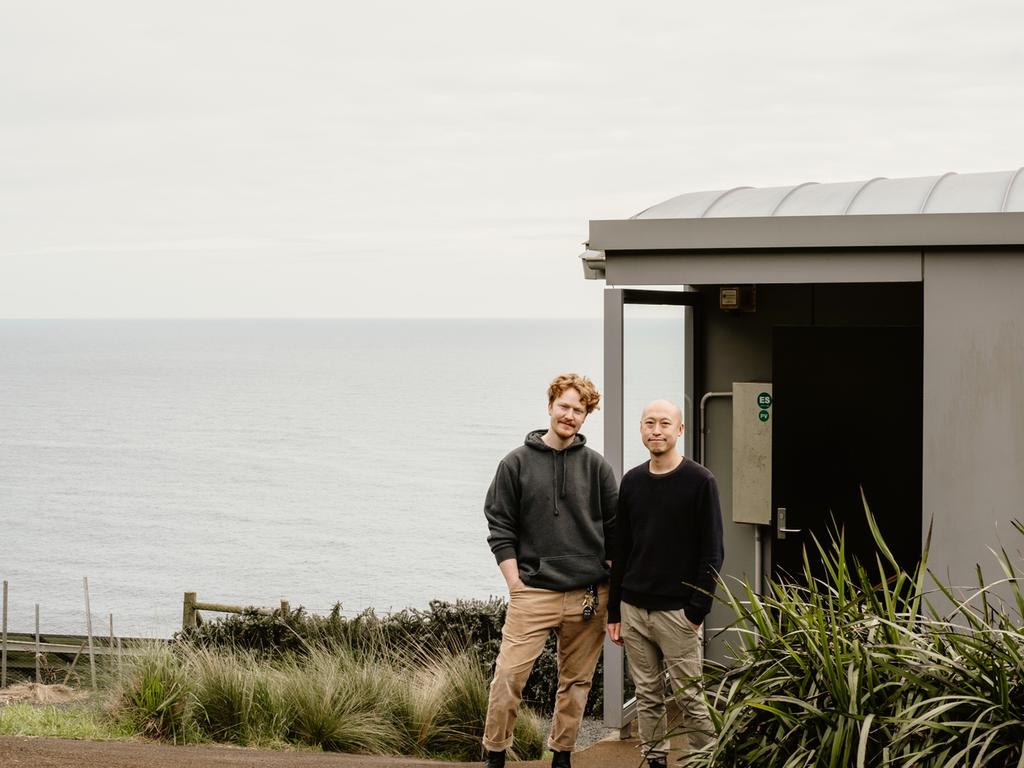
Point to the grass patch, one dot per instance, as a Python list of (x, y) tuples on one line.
[(75, 721)]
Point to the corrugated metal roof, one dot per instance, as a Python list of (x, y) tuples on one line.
[(994, 192)]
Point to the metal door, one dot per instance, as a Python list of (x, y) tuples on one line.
[(846, 415)]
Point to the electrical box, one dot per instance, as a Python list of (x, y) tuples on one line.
[(752, 452)]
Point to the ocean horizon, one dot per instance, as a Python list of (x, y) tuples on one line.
[(249, 461)]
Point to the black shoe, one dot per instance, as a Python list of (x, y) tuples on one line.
[(561, 759), (657, 762), (495, 759)]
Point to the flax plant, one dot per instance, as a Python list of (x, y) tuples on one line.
[(859, 668)]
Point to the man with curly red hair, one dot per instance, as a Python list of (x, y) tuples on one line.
[(551, 515)]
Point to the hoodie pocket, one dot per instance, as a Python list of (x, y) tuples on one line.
[(571, 570)]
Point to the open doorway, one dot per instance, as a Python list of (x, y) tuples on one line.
[(847, 414)]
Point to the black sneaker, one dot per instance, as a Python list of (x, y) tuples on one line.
[(495, 759), (657, 762), (561, 759)]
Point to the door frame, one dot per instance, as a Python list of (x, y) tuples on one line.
[(618, 713)]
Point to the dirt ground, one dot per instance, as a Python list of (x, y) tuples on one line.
[(40, 752), (31, 752)]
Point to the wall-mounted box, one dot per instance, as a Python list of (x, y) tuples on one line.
[(752, 452)]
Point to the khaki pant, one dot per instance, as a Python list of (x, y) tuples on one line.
[(532, 615), (656, 640)]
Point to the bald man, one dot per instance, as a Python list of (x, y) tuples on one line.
[(669, 526)]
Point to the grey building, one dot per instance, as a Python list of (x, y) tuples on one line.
[(834, 337)]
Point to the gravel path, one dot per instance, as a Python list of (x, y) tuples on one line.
[(592, 730)]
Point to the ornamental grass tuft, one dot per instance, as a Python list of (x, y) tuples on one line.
[(153, 693), (235, 698), (340, 703), (368, 700)]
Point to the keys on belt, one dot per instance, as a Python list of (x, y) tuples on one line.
[(590, 602)]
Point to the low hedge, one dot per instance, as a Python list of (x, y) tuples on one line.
[(461, 625)]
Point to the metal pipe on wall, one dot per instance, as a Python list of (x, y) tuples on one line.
[(703, 428), (758, 556), (758, 561)]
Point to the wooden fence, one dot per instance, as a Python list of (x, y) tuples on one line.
[(53, 657), (191, 607)]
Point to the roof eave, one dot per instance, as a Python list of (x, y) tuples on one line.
[(786, 232)]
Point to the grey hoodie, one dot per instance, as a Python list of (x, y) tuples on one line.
[(554, 513)]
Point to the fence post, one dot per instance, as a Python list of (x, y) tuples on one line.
[(285, 609), (39, 678), (188, 611), (88, 631), (3, 649), (112, 646)]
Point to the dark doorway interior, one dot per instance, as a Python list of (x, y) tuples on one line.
[(847, 414)]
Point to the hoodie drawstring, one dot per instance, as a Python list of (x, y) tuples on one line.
[(558, 492), (554, 479)]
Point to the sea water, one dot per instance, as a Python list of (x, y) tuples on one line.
[(249, 461)]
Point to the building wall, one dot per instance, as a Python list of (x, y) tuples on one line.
[(973, 409), (738, 348)]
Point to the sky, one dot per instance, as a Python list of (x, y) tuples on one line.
[(443, 159)]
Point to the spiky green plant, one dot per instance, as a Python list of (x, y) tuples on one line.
[(859, 669), (153, 693)]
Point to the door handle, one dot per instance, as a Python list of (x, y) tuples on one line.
[(780, 524)]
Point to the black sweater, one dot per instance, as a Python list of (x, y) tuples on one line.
[(669, 534)]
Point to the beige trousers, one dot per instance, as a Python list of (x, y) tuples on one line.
[(532, 615), (656, 640)]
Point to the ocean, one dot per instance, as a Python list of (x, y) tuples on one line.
[(318, 461)]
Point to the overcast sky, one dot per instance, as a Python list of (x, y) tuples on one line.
[(406, 159)]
